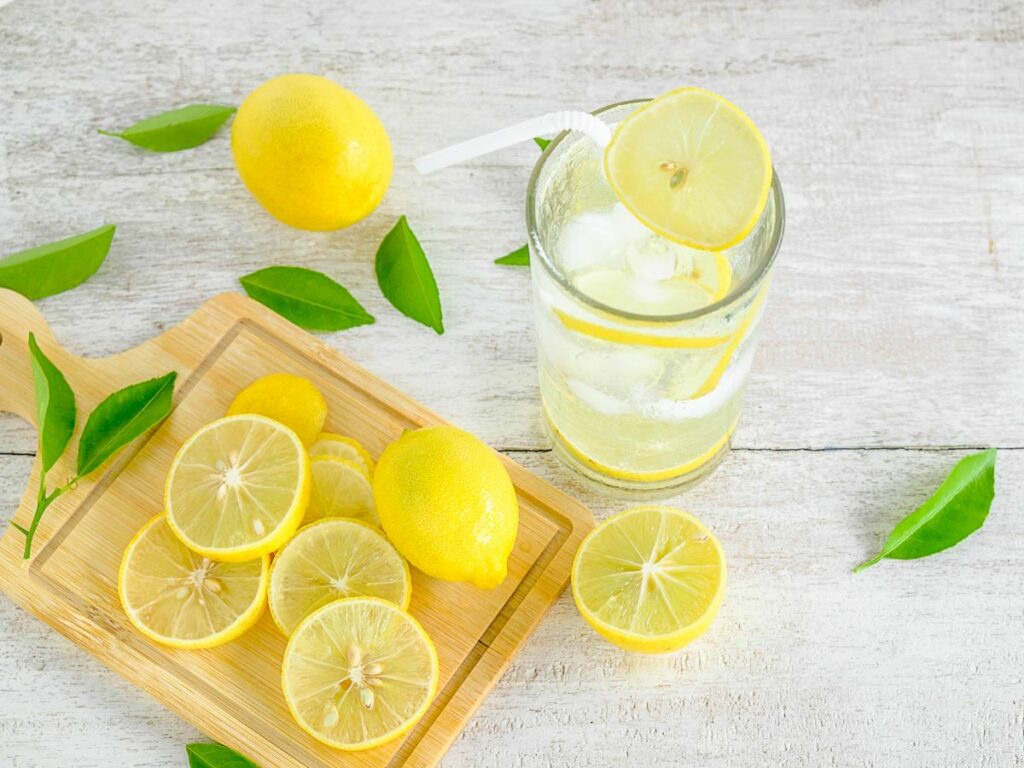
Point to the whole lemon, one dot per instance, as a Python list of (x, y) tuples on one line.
[(311, 152), (448, 505), (290, 400)]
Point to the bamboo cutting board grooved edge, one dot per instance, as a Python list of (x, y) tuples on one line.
[(232, 693)]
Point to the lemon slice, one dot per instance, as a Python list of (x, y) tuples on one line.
[(238, 488), (692, 167), (358, 673), (331, 559), (622, 290), (330, 444), (341, 488), (176, 597), (649, 579)]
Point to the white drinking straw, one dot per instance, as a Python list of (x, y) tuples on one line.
[(553, 122)]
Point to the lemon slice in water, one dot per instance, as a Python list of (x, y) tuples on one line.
[(649, 579), (177, 597), (331, 559), (359, 672), (692, 167), (238, 488)]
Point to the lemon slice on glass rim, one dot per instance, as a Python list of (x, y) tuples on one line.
[(692, 167), (359, 672), (649, 579), (238, 488), (177, 597)]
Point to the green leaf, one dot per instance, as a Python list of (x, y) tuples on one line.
[(121, 418), (178, 129), (308, 298), (956, 510), (216, 756), (542, 143), (405, 277), (520, 257), (55, 406), (55, 267)]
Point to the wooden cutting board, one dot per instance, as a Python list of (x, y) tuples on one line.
[(232, 693)]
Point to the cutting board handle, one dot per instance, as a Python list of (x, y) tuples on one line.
[(19, 317)]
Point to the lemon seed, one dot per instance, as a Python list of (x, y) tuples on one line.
[(366, 697), (354, 656)]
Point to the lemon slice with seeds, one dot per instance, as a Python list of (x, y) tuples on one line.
[(238, 488), (177, 597), (692, 167), (331, 559), (330, 444), (358, 673), (341, 488), (649, 579)]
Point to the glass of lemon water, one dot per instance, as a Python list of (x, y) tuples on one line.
[(651, 262)]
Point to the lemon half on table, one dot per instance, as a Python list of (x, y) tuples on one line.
[(332, 559), (359, 672), (238, 488), (649, 579), (179, 598), (692, 167)]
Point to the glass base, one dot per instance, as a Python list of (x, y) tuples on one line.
[(632, 489)]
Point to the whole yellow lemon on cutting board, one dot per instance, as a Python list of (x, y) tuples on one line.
[(448, 505), (311, 152)]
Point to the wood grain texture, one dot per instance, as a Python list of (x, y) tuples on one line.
[(898, 131)]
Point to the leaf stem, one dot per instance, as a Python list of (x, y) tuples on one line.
[(43, 501), (868, 563)]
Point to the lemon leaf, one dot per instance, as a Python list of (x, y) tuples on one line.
[(121, 418), (956, 510), (58, 266), (308, 298), (216, 756), (542, 143), (520, 257), (176, 130), (55, 406), (405, 277)]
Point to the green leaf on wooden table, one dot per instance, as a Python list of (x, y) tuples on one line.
[(55, 267), (308, 298), (405, 277), (121, 418), (520, 257), (956, 510), (176, 130), (216, 756), (55, 406), (542, 143)]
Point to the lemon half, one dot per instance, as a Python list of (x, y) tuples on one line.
[(238, 488), (692, 167), (177, 597), (649, 579), (359, 672), (332, 559)]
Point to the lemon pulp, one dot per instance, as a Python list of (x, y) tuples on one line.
[(238, 488), (359, 672), (332, 559), (179, 598), (692, 167), (649, 579)]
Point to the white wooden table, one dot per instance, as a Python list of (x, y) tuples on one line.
[(892, 343)]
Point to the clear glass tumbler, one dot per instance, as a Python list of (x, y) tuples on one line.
[(634, 395)]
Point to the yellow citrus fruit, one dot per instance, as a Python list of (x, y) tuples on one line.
[(330, 444), (358, 673), (448, 505), (340, 489), (649, 579), (292, 400), (177, 597), (238, 488), (311, 152), (692, 167), (331, 559)]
